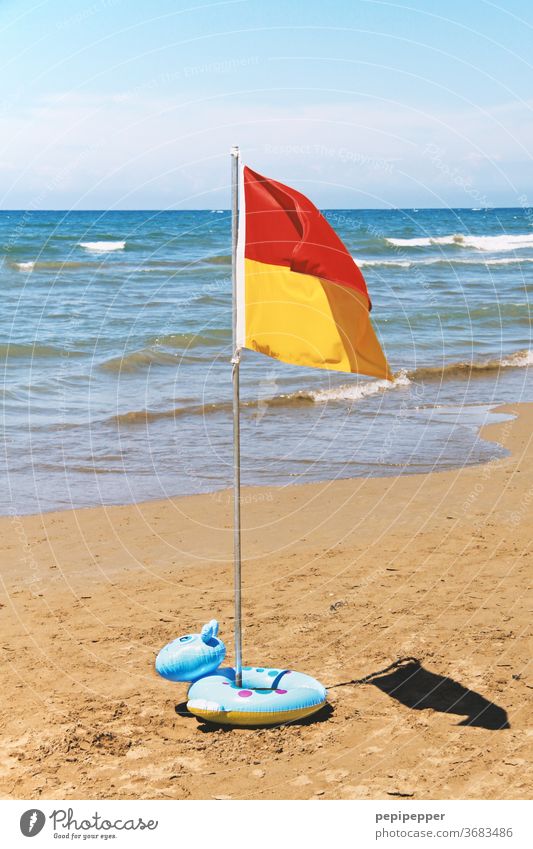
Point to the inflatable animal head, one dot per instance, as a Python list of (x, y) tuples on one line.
[(193, 656)]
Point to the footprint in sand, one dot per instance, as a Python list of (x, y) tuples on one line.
[(301, 781)]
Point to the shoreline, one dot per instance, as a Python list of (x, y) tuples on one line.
[(340, 579), (216, 494)]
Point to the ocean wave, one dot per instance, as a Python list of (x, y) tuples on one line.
[(357, 391), (29, 265), (211, 335), (32, 350), (518, 359), (223, 259), (195, 267), (492, 244), (393, 263), (154, 354), (139, 360), (102, 247), (48, 265), (348, 392), (513, 260), (140, 417), (410, 263), (345, 393)]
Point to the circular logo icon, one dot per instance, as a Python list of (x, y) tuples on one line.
[(32, 822)]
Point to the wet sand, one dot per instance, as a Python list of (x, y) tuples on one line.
[(340, 580)]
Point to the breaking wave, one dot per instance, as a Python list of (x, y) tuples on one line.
[(48, 265), (519, 359), (345, 393), (409, 263), (357, 391), (480, 243), (305, 397), (29, 265), (394, 263), (102, 247)]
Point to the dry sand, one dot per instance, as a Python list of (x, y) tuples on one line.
[(340, 580)]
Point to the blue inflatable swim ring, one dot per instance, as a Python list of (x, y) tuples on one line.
[(192, 656), (267, 696)]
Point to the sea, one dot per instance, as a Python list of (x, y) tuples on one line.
[(116, 346)]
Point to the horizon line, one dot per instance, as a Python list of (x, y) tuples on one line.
[(323, 208)]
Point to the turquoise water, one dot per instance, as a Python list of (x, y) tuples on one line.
[(116, 344)]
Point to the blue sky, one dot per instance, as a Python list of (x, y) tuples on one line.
[(129, 104)]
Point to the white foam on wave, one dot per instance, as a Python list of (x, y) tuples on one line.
[(508, 261), (394, 263), (356, 391), (409, 263), (480, 243), (520, 359), (103, 247), (25, 266)]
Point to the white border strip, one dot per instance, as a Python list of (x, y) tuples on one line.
[(240, 329), (408, 823)]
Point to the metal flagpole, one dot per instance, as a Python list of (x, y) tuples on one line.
[(235, 360)]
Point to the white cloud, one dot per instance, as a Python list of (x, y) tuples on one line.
[(137, 150)]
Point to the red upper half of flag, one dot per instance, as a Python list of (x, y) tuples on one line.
[(284, 228)]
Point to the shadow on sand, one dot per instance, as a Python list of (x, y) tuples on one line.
[(417, 688)]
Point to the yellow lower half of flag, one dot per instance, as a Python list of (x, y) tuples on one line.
[(308, 321)]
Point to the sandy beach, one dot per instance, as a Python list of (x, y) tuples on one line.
[(340, 580)]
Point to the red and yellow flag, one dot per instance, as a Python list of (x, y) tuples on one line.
[(300, 296)]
